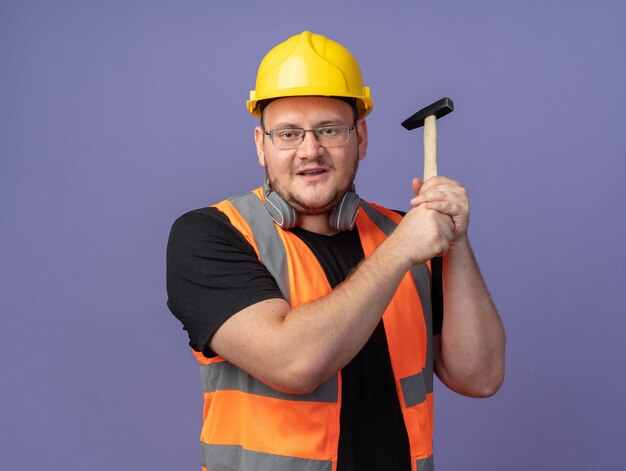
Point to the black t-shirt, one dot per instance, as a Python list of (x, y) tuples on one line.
[(213, 272)]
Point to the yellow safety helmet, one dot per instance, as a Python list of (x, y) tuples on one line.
[(310, 65)]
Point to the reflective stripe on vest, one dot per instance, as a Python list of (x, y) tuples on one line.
[(224, 457), (236, 458), (427, 464), (225, 376), (271, 249), (249, 425)]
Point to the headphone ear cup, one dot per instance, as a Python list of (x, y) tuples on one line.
[(343, 216), (282, 213)]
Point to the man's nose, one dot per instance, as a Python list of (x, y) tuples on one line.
[(309, 147)]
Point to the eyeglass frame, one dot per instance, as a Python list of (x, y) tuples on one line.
[(315, 134)]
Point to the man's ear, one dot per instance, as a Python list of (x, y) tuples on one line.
[(361, 126), (259, 137)]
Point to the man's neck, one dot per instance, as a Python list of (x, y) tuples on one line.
[(317, 224)]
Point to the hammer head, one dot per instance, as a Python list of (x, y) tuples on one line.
[(438, 109)]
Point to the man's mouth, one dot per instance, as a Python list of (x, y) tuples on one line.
[(312, 172)]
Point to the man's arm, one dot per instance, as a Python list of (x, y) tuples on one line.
[(295, 350), (469, 353)]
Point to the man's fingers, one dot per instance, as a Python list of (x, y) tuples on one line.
[(437, 181), (442, 184), (436, 197), (446, 207), (416, 185)]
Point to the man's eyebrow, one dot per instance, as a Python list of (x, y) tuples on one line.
[(285, 125), (331, 122)]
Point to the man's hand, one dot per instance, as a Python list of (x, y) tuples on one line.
[(447, 197), (422, 234)]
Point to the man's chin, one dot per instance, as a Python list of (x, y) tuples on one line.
[(313, 208)]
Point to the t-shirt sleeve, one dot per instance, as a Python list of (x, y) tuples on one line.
[(436, 293), (212, 273)]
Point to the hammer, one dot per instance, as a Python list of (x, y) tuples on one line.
[(427, 117)]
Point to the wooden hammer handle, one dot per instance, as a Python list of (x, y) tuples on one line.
[(430, 147)]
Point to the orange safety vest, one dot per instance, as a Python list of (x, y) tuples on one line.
[(251, 426)]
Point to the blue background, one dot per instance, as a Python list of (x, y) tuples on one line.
[(118, 116)]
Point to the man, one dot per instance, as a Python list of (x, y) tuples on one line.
[(316, 316)]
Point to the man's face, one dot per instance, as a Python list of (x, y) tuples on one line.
[(311, 178)]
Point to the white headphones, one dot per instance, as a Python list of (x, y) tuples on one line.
[(341, 218)]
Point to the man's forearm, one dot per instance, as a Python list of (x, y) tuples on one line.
[(470, 357)]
